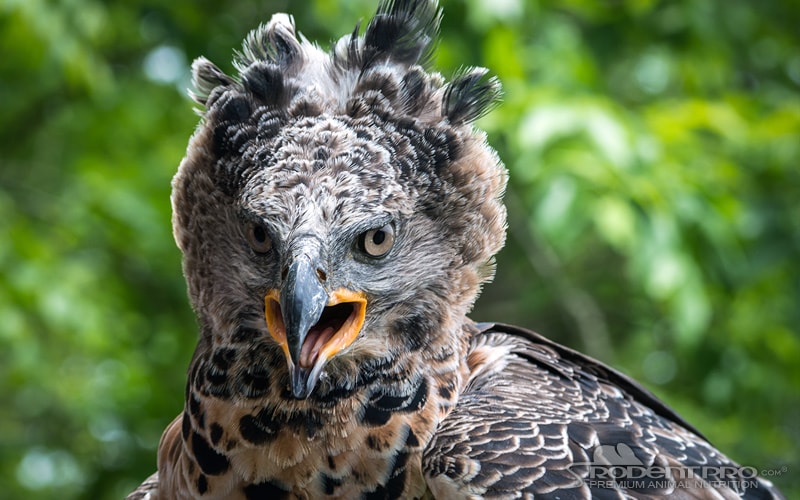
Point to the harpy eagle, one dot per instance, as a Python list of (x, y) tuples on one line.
[(338, 213)]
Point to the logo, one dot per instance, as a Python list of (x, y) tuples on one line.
[(622, 467)]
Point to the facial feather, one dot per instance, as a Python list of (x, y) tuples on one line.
[(326, 144)]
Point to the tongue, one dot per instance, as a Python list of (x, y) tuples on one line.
[(313, 344)]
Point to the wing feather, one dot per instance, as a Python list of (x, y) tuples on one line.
[(146, 491), (539, 419)]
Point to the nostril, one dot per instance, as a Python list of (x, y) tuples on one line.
[(284, 273), (322, 275)]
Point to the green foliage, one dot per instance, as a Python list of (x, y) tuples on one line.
[(654, 219)]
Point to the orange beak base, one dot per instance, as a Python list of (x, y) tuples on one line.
[(338, 326)]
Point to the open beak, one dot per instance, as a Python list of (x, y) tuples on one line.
[(310, 325)]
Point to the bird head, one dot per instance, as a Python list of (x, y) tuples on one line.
[(338, 206)]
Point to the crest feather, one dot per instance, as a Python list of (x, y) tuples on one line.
[(206, 77), (469, 96), (402, 31), (274, 42), (380, 72)]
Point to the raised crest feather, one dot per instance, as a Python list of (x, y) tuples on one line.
[(206, 77), (404, 32), (470, 95), (274, 42)]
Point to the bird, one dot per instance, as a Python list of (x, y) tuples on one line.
[(338, 212)]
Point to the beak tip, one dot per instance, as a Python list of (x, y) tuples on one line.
[(301, 383), (294, 310)]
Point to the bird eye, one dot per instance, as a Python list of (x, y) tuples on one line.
[(258, 238), (377, 242)]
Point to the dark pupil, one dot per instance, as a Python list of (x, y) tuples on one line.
[(259, 234), (379, 237)]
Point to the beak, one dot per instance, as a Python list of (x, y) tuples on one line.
[(310, 325)]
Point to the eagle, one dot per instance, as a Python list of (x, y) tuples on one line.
[(338, 212)]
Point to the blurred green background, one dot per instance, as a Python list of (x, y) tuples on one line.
[(654, 210)]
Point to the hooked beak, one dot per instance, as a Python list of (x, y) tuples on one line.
[(310, 325)]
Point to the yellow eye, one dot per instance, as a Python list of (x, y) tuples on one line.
[(377, 242), (258, 238)]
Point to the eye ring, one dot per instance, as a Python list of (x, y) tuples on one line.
[(258, 238), (377, 243)]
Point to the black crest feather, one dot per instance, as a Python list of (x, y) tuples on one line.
[(470, 96), (403, 31)]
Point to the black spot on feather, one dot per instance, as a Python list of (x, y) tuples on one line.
[(202, 484), (412, 441), (217, 370), (259, 428), (419, 399), (186, 426), (210, 461), (373, 443), (375, 416), (329, 484), (194, 406), (332, 396), (253, 381), (216, 433), (264, 490), (212, 376)]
